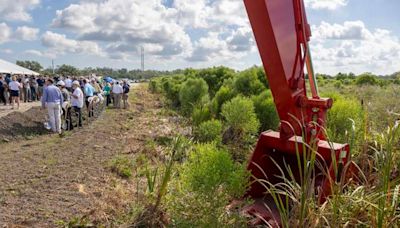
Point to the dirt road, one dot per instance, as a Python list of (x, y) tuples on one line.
[(49, 179)]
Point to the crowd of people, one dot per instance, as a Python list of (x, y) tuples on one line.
[(60, 94)]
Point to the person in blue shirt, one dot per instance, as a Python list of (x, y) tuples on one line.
[(88, 90), (53, 100)]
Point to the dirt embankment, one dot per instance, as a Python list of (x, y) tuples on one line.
[(22, 125), (47, 179)]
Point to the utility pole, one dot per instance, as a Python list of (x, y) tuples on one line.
[(142, 56), (52, 64)]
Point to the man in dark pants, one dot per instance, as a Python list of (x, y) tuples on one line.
[(2, 89)]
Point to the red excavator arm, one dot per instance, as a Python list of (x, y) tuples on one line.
[(282, 34)]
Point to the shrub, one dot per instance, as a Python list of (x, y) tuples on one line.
[(122, 165), (340, 119), (208, 181), (247, 83), (171, 89), (210, 168), (200, 114), (224, 94), (266, 112), (366, 79), (193, 92), (210, 131), (215, 77), (240, 117)]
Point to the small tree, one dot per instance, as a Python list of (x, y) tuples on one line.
[(67, 70), (240, 117), (193, 92), (367, 79)]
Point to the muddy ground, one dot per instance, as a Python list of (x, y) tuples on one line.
[(47, 180)]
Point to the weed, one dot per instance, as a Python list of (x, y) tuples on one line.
[(122, 165)]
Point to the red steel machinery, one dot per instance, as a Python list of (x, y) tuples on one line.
[(282, 34)]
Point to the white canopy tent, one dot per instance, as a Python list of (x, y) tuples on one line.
[(11, 68)]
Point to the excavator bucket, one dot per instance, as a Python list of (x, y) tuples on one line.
[(278, 161)]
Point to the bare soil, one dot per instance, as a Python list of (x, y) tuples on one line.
[(22, 125), (50, 180)]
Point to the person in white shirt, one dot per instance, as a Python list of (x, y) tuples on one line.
[(68, 84), (15, 88), (27, 89), (77, 101), (117, 91)]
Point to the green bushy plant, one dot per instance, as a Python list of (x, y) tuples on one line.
[(215, 77), (207, 182), (171, 90), (209, 131), (201, 114), (366, 79), (155, 85), (210, 168), (344, 119), (266, 112), (247, 83), (223, 95), (193, 92), (240, 118)]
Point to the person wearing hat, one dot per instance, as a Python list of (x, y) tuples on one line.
[(53, 100), (64, 90), (77, 100)]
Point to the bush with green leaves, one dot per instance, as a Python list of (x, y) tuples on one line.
[(171, 90), (215, 77), (240, 118), (155, 85), (223, 95), (247, 83), (210, 168), (208, 181), (266, 112), (345, 119), (201, 114), (209, 131), (366, 79), (193, 92)]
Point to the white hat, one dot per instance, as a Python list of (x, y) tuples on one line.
[(60, 83), (76, 83)]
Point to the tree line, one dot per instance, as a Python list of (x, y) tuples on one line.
[(365, 78)]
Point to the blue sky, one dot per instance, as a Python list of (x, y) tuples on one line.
[(348, 35)]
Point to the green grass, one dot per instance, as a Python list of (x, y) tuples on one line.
[(122, 165)]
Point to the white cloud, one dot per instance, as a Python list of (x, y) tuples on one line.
[(26, 33), (350, 30), (59, 44), (126, 25), (326, 4), (5, 33), (214, 48), (351, 47), (17, 10)]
